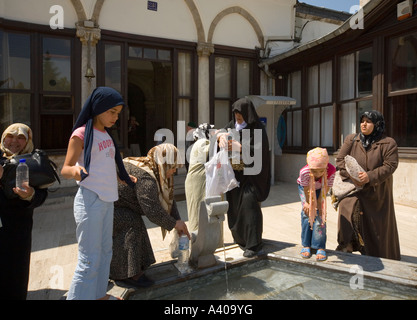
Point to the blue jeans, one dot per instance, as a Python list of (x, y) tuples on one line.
[(315, 238), (94, 220)]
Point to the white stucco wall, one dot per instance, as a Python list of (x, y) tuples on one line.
[(275, 18), (172, 20), (37, 11), (2, 3), (315, 29), (405, 180)]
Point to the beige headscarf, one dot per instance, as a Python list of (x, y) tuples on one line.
[(317, 158), (159, 160), (17, 129)]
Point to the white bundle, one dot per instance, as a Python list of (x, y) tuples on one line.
[(352, 167)]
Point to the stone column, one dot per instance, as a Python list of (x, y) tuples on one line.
[(89, 36), (204, 50)]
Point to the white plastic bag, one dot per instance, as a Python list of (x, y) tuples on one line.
[(220, 177)]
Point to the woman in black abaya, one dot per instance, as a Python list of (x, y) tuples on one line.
[(244, 214)]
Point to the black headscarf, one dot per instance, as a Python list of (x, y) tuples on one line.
[(247, 109), (100, 100), (379, 128)]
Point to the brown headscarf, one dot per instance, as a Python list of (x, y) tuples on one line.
[(158, 161), (17, 129)]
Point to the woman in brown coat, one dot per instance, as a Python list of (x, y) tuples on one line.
[(367, 219)]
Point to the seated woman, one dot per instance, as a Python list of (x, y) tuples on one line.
[(153, 196)]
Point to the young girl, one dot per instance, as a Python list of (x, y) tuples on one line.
[(91, 160), (313, 184)]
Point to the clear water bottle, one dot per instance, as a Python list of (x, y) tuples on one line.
[(22, 174), (184, 253)]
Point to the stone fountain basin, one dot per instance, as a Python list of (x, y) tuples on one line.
[(397, 277)]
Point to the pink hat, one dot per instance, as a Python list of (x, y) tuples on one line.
[(317, 158)]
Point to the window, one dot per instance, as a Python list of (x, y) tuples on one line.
[(402, 87), (186, 108), (113, 66), (402, 120), (56, 105), (184, 86), (243, 78), (356, 75), (15, 84), (113, 79), (349, 115), (37, 84), (222, 91), (233, 79), (293, 113), (403, 66), (149, 53), (56, 64), (320, 107)]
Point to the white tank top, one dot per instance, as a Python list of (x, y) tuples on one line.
[(102, 175)]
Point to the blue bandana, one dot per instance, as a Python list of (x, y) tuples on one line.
[(100, 100)]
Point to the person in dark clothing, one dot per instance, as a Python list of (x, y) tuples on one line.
[(367, 220), (244, 214), (16, 219)]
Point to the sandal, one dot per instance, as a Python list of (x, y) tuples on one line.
[(322, 253), (303, 250)]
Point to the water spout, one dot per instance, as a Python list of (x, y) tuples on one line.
[(206, 239)]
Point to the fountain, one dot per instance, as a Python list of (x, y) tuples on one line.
[(281, 274), (278, 274), (205, 241)]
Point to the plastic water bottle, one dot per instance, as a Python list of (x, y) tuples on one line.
[(22, 174), (184, 254)]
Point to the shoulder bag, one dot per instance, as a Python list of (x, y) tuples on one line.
[(42, 172)]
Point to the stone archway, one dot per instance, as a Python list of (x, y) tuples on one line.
[(243, 13), (80, 11), (96, 11), (201, 37)]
